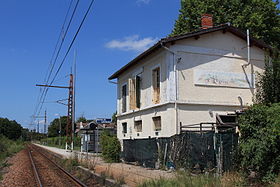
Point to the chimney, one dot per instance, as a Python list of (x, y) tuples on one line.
[(206, 21)]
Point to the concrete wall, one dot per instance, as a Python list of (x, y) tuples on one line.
[(213, 52), (166, 112)]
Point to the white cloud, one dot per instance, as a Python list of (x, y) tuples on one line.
[(143, 1), (132, 43)]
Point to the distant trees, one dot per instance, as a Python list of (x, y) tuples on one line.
[(53, 129), (114, 117), (10, 128), (81, 119)]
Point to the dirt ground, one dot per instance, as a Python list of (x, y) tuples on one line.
[(19, 173)]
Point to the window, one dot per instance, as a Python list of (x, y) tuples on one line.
[(138, 126), (135, 92), (157, 123), (124, 127), (124, 98), (156, 85)]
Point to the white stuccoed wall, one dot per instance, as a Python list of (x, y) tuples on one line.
[(222, 52)]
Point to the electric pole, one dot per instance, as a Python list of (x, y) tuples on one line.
[(70, 112)]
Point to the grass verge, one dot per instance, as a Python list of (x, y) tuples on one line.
[(8, 148)]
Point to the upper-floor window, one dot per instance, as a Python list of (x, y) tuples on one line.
[(135, 92), (124, 94), (156, 85)]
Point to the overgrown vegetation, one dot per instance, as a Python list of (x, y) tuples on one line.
[(259, 148), (111, 147), (8, 148), (268, 84), (183, 179), (60, 142)]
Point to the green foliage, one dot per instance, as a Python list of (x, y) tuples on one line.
[(8, 148), (184, 179), (114, 117), (268, 84), (260, 16), (10, 128), (60, 143), (259, 149), (81, 119), (111, 147), (53, 129)]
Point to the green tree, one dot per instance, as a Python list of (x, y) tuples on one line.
[(10, 128), (53, 129), (268, 84), (260, 16), (81, 119), (259, 147), (114, 117)]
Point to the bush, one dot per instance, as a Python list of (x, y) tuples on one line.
[(111, 147), (54, 142), (259, 149)]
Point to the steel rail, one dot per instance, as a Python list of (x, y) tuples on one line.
[(77, 181), (35, 170)]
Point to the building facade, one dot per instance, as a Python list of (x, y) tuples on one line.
[(187, 79)]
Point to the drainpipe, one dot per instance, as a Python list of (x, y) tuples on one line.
[(248, 49), (249, 59), (176, 84)]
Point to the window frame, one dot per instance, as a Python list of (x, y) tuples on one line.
[(135, 125), (123, 106), (156, 101)]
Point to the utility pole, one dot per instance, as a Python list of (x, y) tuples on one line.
[(45, 121), (69, 128)]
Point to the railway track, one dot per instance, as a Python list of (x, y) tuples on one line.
[(48, 173)]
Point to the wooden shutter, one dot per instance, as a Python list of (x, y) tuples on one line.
[(132, 100), (156, 85)]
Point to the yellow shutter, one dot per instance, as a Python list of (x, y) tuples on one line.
[(132, 99)]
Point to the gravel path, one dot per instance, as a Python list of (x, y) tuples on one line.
[(20, 172)]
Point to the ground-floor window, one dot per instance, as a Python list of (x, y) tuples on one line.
[(157, 123), (138, 126), (124, 127)]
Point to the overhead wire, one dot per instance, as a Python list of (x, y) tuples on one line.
[(62, 35), (57, 54), (67, 52)]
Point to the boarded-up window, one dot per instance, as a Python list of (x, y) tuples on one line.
[(156, 85), (124, 127), (138, 126), (124, 98), (135, 92), (157, 123), (138, 91)]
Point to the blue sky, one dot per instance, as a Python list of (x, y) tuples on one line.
[(114, 33)]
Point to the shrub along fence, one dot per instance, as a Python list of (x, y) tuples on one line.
[(61, 142)]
